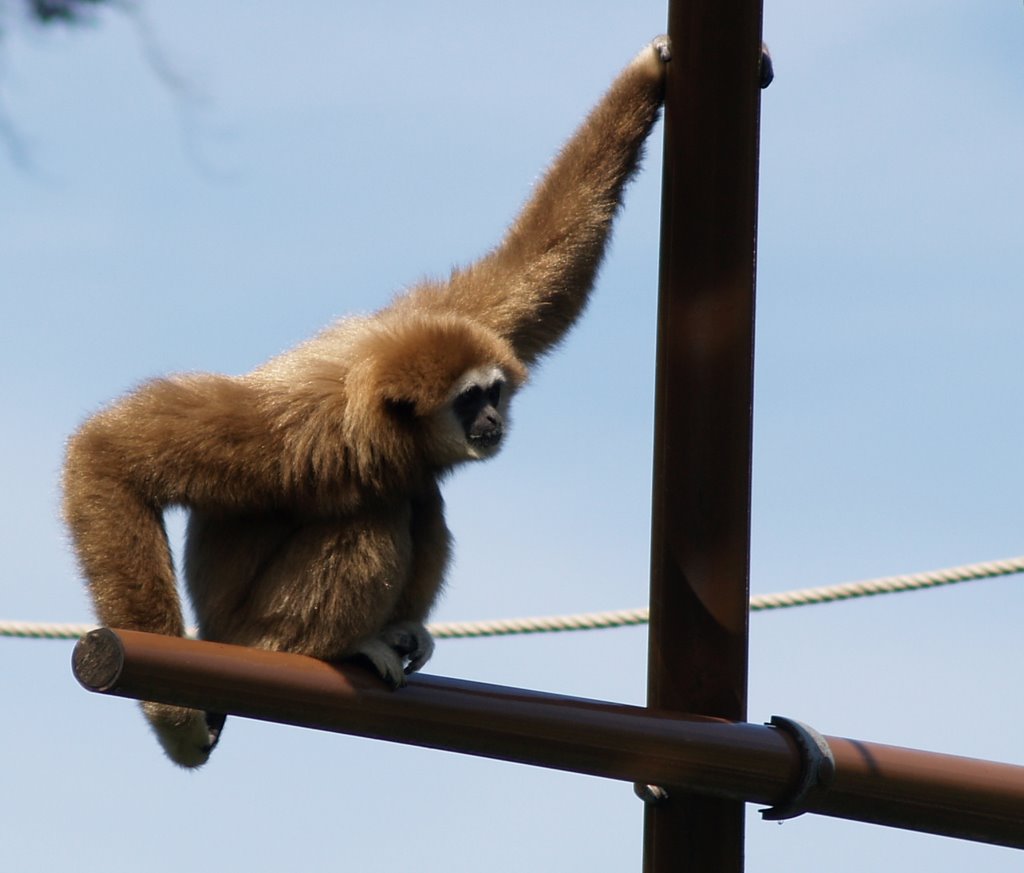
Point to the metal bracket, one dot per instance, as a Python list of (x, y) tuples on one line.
[(817, 770), (650, 794)]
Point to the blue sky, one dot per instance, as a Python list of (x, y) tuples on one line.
[(314, 162)]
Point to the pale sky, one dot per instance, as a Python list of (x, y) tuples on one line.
[(314, 161)]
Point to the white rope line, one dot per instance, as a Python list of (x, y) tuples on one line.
[(888, 584), (758, 603), (538, 624), (628, 617), (44, 631)]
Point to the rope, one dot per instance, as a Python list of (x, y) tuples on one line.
[(41, 631), (758, 603), (629, 617), (888, 585), (540, 624)]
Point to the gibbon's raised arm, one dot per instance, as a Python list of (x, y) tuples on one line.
[(534, 285)]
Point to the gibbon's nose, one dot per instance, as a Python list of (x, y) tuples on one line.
[(487, 431)]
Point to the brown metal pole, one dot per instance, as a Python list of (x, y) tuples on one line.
[(725, 762), (701, 495)]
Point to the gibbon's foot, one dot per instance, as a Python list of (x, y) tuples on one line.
[(388, 651), (411, 640), (384, 660), (186, 735)]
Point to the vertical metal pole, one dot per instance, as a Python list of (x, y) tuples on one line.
[(700, 541)]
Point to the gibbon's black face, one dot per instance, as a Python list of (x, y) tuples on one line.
[(476, 408), (472, 423)]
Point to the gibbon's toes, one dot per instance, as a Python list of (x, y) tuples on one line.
[(384, 659), (419, 657), (410, 639), (663, 46)]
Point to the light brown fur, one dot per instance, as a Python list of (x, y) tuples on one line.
[(316, 522)]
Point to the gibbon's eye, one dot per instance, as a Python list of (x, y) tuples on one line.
[(494, 392), (468, 402)]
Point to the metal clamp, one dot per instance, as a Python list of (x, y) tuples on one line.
[(817, 770), (650, 794)]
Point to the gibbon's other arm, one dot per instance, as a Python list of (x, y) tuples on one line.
[(531, 289), (191, 441)]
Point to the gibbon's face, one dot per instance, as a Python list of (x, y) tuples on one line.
[(471, 424)]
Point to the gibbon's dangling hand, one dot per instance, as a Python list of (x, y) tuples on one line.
[(316, 524)]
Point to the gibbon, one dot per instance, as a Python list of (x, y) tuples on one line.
[(316, 524)]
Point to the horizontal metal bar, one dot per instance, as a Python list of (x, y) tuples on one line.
[(584, 736), (924, 791)]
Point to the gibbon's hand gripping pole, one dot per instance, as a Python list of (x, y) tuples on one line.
[(940, 794)]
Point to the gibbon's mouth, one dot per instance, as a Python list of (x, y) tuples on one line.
[(486, 440)]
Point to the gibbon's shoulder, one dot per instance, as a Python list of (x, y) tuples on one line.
[(335, 345), (401, 354)]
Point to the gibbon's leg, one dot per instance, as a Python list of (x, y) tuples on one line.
[(330, 590), (431, 551), (322, 588), (531, 289), (228, 557), (327, 588)]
